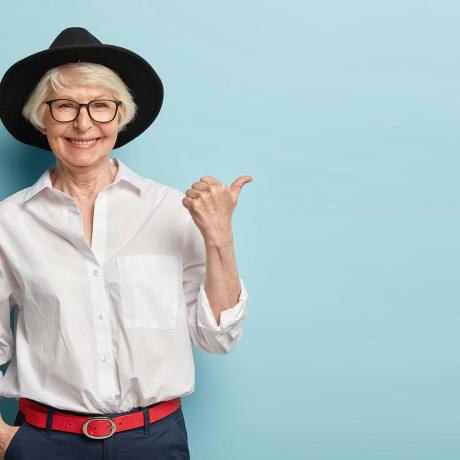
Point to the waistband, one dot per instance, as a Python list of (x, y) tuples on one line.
[(96, 426), (87, 414)]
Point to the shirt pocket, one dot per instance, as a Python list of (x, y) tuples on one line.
[(149, 290)]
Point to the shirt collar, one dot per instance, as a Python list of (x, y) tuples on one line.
[(123, 174)]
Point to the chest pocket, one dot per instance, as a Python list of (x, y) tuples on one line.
[(149, 290)]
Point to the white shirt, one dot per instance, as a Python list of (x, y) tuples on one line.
[(110, 327)]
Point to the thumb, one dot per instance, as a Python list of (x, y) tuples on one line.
[(237, 185)]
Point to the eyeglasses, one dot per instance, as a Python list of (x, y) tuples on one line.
[(65, 110)]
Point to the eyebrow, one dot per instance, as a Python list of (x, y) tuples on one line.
[(100, 96)]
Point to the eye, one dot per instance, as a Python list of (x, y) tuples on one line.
[(65, 105)]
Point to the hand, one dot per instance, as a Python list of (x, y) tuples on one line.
[(211, 204), (7, 433)]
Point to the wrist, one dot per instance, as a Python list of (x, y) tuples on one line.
[(219, 240)]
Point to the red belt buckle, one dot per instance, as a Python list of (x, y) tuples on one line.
[(112, 426)]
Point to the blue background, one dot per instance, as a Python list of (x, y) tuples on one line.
[(346, 115)]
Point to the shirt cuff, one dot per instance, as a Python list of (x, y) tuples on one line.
[(228, 318)]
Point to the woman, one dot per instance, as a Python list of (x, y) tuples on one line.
[(115, 275)]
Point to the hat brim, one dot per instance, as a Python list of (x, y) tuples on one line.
[(20, 79)]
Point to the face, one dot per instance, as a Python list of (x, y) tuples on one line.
[(63, 137)]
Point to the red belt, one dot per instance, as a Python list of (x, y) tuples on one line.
[(97, 427)]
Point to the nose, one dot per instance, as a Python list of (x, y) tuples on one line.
[(83, 122)]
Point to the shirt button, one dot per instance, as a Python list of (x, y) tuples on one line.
[(96, 272), (100, 315), (103, 358)]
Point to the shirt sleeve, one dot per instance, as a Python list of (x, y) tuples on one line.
[(7, 286), (204, 331)]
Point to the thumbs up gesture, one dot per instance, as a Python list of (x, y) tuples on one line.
[(211, 205)]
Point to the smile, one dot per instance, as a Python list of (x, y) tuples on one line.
[(80, 143)]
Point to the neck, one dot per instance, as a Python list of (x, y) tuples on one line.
[(83, 184)]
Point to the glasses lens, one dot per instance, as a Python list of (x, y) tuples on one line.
[(103, 110), (64, 110)]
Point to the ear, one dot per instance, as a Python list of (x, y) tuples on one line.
[(43, 131)]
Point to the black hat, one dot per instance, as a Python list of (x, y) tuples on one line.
[(72, 45)]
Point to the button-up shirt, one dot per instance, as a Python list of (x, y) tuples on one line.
[(109, 327)]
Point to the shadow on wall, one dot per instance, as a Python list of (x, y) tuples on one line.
[(21, 164)]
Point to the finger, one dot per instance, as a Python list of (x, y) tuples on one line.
[(187, 202), (192, 193), (241, 180), (209, 180), (237, 185), (201, 186)]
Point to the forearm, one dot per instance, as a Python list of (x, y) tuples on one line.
[(222, 285)]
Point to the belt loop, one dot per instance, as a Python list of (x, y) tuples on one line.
[(49, 420), (146, 420)]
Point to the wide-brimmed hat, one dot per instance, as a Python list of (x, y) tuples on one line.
[(72, 45)]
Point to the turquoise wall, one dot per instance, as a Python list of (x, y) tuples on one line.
[(346, 116)]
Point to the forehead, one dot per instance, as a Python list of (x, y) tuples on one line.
[(79, 92)]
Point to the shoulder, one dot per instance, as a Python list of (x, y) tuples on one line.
[(11, 213), (13, 203), (16, 197), (163, 194), (155, 186)]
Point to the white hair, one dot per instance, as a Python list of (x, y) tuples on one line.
[(84, 73)]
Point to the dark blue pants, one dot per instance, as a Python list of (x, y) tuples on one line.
[(165, 439)]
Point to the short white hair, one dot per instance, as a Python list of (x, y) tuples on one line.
[(85, 73)]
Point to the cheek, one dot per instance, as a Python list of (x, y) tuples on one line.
[(111, 132), (56, 135), (53, 130), (57, 138)]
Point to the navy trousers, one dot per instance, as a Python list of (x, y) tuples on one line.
[(165, 439)]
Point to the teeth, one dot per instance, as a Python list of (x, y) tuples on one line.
[(75, 141)]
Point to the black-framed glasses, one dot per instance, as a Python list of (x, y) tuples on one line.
[(99, 110)]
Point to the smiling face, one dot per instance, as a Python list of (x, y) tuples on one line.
[(82, 142)]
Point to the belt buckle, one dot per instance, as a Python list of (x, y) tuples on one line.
[(85, 427)]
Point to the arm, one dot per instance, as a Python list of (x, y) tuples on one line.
[(211, 204), (213, 329), (7, 286), (222, 286)]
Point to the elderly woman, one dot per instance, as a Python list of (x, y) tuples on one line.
[(115, 276)]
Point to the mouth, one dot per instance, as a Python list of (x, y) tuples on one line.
[(82, 143)]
